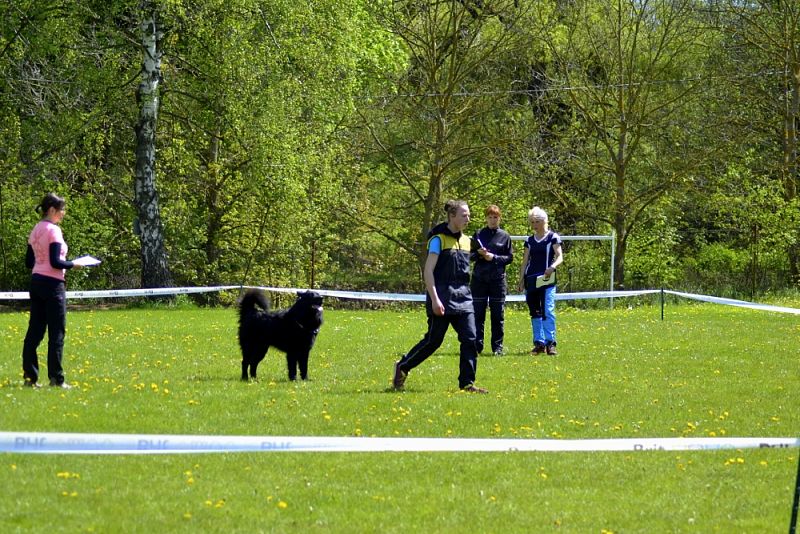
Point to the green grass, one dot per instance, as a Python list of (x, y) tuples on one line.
[(704, 371)]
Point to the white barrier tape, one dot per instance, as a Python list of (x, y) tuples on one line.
[(396, 297), (734, 302), (74, 443), (106, 293), (410, 297), (354, 295)]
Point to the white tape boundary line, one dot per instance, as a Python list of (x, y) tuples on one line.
[(405, 297), (77, 443), (414, 297), (107, 293), (356, 295), (734, 302)]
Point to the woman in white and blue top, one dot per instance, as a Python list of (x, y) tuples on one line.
[(542, 256)]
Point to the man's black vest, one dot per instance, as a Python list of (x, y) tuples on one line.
[(451, 273)]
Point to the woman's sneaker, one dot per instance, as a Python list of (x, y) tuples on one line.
[(538, 348)]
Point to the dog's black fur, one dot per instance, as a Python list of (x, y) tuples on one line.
[(292, 331)]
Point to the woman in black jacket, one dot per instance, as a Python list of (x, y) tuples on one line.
[(488, 283)]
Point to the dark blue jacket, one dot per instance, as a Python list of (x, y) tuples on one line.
[(498, 242)]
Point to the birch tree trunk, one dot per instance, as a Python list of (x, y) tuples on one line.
[(155, 270)]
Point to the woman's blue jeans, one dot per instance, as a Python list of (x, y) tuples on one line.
[(544, 330)]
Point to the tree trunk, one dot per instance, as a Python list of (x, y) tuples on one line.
[(620, 222), (619, 252), (433, 206), (155, 270), (213, 211), (790, 151)]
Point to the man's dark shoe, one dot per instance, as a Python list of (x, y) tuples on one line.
[(551, 349), (34, 385), (499, 352), (472, 388), (399, 379), (538, 348)]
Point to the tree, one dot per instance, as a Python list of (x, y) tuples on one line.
[(765, 36), (58, 107), (437, 128), (629, 66), (155, 269)]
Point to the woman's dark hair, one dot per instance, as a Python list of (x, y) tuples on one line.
[(451, 206), (51, 200)]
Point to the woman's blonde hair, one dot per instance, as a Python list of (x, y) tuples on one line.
[(537, 213)]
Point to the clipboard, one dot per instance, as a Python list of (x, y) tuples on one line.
[(541, 281)]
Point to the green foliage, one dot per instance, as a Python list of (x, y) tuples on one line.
[(621, 374), (651, 262), (312, 143)]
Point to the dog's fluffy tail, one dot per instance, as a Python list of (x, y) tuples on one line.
[(251, 299)]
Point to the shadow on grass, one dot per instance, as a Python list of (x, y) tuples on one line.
[(210, 378)]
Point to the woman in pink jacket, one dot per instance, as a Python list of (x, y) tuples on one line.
[(47, 258)]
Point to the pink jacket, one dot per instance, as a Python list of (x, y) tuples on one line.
[(42, 235)]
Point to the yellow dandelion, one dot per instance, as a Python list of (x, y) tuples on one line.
[(282, 505)]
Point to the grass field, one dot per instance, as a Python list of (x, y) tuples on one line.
[(704, 371)]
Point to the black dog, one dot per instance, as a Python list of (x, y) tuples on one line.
[(293, 330)]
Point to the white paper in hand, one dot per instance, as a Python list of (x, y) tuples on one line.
[(86, 261)]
